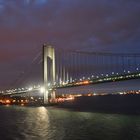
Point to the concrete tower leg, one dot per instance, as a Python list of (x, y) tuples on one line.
[(48, 53)]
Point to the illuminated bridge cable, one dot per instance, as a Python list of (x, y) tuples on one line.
[(110, 54), (135, 63), (122, 63), (106, 61), (97, 63), (73, 65), (87, 69), (117, 64), (91, 64), (78, 65), (69, 66), (25, 72), (101, 53), (60, 68), (57, 66)]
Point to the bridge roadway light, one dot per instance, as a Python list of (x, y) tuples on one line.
[(83, 78), (63, 83), (38, 86), (30, 88), (42, 89)]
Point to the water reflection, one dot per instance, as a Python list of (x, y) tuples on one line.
[(40, 123), (42, 113)]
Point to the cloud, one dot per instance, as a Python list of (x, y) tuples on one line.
[(78, 24), (70, 21)]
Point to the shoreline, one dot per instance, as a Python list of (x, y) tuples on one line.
[(115, 104), (119, 104)]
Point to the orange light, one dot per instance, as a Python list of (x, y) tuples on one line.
[(85, 82), (14, 101), (26, 101), (60, 100), (7, 101), (69, 98)]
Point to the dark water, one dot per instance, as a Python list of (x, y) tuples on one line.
[(40, 123)]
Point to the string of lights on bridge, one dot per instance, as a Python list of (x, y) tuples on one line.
[(75, 60), (75, 82)]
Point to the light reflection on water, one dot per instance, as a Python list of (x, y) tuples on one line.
[(40, 123)]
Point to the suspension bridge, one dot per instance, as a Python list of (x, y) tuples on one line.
[(65, 69)]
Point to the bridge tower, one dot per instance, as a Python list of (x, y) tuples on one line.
[(48, 71)]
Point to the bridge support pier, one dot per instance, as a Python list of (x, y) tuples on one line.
[(52, 96), (48, 70)]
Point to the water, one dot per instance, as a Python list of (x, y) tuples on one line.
[(41, 123)]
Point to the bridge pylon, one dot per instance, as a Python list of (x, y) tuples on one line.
[(48, 70)]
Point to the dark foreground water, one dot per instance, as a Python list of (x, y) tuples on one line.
[(40, 123)]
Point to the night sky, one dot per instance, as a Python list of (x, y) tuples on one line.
[(97, 25)]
